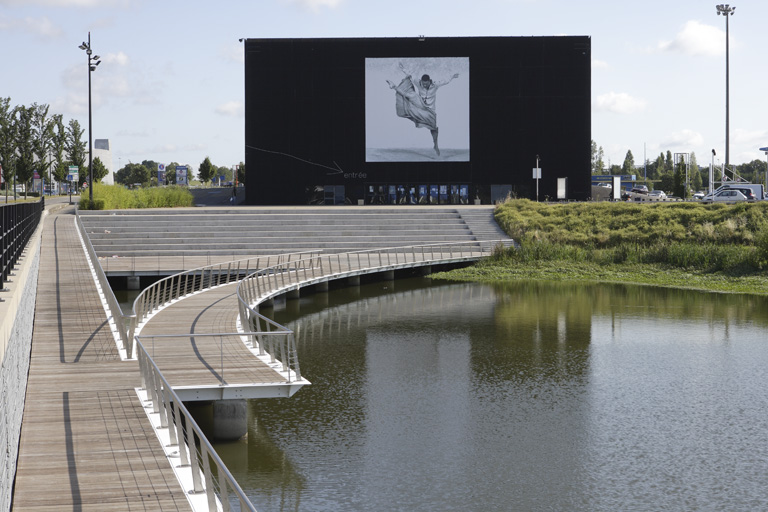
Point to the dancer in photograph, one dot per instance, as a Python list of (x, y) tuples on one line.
[(415, 100)]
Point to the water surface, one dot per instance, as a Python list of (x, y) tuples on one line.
[(527, 396)]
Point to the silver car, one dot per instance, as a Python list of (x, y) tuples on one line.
[(725, 196)]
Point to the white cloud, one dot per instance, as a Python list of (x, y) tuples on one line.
[(42, 26), (66, 3), (618, 102), (599, 64), (234, 53), (683, 139), (315, 5), (118, 58), (231, 108), (695, 38)]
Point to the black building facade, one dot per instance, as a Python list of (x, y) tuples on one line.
[(416, 120)]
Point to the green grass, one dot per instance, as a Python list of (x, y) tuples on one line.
[(684, 245), (116, 197)]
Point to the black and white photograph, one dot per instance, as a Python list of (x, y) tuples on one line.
[(417, 109)]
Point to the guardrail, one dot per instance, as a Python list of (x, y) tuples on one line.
[(169, 289), (209, 474), (17, 223), (271, 281)]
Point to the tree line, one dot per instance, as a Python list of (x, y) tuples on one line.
[(32, 139), (145, 173), (668, 173)]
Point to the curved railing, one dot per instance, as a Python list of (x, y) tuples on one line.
[(208, 472), (291, 275), (174, 287)]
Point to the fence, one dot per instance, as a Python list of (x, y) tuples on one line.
[(19, 221)]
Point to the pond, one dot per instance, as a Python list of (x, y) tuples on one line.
[(438, 396)]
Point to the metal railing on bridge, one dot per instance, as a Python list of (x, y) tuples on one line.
[(18, 221), (207, 471)]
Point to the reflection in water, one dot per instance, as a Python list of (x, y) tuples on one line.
[(523, 396)]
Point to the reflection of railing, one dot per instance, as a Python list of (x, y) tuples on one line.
[(291, 275), (185, 434), (18, 221)]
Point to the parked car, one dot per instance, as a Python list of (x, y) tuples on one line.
[(639, 189), (699, 195), (657, 194), (726, 196), (748, 193)]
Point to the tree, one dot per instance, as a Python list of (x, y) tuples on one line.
[(42, 128), (132, 174), (629, 164), (678, 183), (59, 148), (598, 156), (7, 142), (76, 147), (206, 171), (694, 173), (99, 170), (25, 145), (241, 171)]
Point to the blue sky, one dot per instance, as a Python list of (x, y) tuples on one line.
[(170, 85)]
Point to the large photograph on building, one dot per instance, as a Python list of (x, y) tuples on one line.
[(417, 109)]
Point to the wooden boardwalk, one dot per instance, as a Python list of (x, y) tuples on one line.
[(223, 364), (86, 443)]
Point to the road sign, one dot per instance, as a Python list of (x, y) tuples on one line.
[(74, 173), (763, 149)]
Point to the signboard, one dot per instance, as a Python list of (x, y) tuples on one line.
[(74, 173), (160, 174), (181, 175)]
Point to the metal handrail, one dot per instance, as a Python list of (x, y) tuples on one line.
[(121, 321), (185, 434), (17, 223), (172, 288), (271, 281)]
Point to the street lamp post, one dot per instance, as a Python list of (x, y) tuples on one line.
[(726, 10), (93, 61)]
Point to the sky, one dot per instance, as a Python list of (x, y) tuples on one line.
[(170, 87)]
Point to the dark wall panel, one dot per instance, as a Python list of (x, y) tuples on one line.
[(306, 116)]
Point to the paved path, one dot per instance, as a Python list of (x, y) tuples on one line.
[(86, 443)]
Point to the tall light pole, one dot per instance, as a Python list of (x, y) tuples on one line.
[(93, 61), (726, 10)]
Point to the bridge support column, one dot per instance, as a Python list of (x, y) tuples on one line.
[(388, 275), (426, 270), (321, 287), (269, 303), (353, 281), (134, 283), (293, 294), (230, 419)]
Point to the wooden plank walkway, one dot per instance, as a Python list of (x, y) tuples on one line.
[(86, 443), (195, 362)]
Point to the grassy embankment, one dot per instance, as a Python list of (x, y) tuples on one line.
[(115, 197), (721, 248)]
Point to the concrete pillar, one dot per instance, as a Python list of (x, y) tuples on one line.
[(293, 294), (134, 283), (230, 419), (269, 303), (426, 270), (353, 281), (321, 287), (388, 275)]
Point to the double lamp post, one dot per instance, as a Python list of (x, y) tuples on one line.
[(93, 61)]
